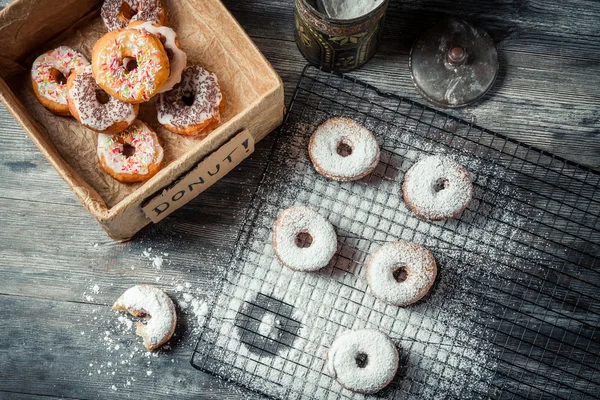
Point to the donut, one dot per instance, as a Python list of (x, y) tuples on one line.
[(343, 150), (154, 304), (94, 108), (401, 273), (117, 14), (437, 188), (363, 361), (177, 57), (49, 75), (193, 107), (130, 64), (303, 240), (134, 155)]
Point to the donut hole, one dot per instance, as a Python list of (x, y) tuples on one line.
[(303, 239), (188, 99), (400, 274), (441, 184), (128, 150), (130, 64), (126, 11), (102, 96), (344, 149), (58, 76), (362, 360)]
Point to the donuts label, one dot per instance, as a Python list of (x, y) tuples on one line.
[(210, 170)]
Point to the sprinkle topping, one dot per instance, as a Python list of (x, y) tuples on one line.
[(145, 10), (195, 82), (45, 68), (145, 142), (113, 74), (92, 113)]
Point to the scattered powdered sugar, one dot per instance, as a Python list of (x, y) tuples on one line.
[(297, 220), (418, 264), (364, 360), (437, 187), (359, 142)]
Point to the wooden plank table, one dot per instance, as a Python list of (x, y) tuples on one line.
[(56, 331)]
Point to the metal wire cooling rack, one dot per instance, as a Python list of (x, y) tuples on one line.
[(515, 310)]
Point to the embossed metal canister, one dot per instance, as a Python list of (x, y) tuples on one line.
[(337, 44)]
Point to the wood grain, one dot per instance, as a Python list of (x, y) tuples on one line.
[(547, 94)]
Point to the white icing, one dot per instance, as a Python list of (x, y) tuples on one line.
[(91, 112), (420, 272), (159, 308), (179, 60), (422, 181), (147, 149), (324, 144), (299, 219), (381, 366), (63, 59)]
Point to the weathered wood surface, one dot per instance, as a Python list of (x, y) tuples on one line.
[(547, 94)]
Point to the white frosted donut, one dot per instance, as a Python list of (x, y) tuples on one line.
[(437, 188), (151, 302), (363, 361), (401, 273), (177, 57), (144, 162), (303, 239), (343, 150)]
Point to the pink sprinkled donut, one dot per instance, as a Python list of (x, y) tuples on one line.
[(49, 75), (401, 273), (117, 14), (194, 106), (437, 188), (94, 108), (134, 155)]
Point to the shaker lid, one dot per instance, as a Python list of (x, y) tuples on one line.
[(453, 63)]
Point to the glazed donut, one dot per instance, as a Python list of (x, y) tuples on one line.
[(437, 188), (117, 14), (130, 64), (363, 361), (49, 75), (401, 273), (133, 155), (303, 240), (177, 57), (94, 108), (343, 150), (194, 106), (154, 304)]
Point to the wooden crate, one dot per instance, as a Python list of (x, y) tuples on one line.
[(210, 36)]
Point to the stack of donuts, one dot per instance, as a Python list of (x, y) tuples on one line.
[(138, 59)]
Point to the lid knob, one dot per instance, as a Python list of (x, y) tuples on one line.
[(456, 55)]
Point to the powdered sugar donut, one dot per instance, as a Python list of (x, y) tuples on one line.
[(437, 188), (94, 108), (49, 75), (303, 239), (133, 155), (363, 361), (150, 302), (117, 14), (343, 150), (401, 273), (194, 106), (177, 57)]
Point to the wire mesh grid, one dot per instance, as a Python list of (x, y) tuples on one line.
[(515, 309)]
